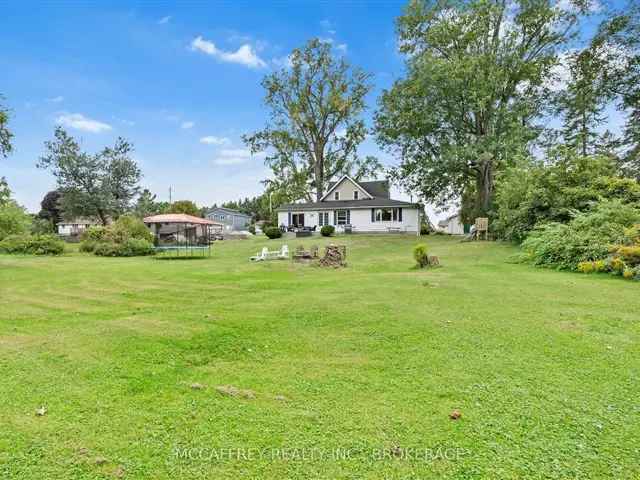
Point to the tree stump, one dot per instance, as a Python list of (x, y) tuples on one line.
[(433, 260)]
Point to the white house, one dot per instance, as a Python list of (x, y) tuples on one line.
[(362, 206), (75, 226)]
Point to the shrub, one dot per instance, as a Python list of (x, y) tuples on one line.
[(133, 247), (94, 233), (88, 246), (421, 255), (628, 273), (252, 229), (14, 220), (126, 227), (616, 265), (273, 232), (32, 244), (586, 267), (585, 238), (630, 254), (424, 229), (327, 230)]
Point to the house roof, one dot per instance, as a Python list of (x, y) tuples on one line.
[(228, 210), (375, 188), (338, 204), (179, 218), (333, 185)]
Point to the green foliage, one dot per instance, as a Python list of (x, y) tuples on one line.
[(554, 190), (5, 134), (424, 229), (32, 244), (146, 205), (125, 228), (273, 232), (315, 126), (94, 233), (88, 246), (50, 207), (14, 220), (99, 185), (472, 93), (327, 230), (184, 206), (132, 247), (41, 226), (252, 229), (5, 191), (421, 255), (588, 237)]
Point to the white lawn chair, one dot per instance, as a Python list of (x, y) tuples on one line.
[(284, 253), (258, 257)]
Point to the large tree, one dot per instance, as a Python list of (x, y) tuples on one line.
[(472, 93), (315, 128), (184, 206), (620, 34), (5, 134), (100, 185), (583, 102), (50, 207)]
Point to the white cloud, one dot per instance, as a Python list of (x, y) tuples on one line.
[(80, 122), (245, 55), (560, 73), (213, 140), (326, 40), (235, 156), (164, 20), (342, 47), (57, 99), (187, 125)]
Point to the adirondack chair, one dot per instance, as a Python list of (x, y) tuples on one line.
[(284, 253), (258, 257)]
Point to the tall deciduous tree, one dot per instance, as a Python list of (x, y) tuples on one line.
[(184, 206), (315, 127), (5, 134), (99, 185), (472, 94)]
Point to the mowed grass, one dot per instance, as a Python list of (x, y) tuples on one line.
[(370, 360)]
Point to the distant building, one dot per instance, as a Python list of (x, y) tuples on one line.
[(233, 220), (453, 225), (75, 226)]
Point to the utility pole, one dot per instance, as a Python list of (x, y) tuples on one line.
[(169, 194)]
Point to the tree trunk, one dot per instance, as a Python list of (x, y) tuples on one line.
[(484, 187), (319, 174)]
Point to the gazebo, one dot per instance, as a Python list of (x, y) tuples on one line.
[(179, 231)]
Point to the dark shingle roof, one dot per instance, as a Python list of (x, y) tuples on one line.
[(338, 204), (228, 210)]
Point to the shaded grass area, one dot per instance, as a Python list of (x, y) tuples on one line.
[(370, 360)]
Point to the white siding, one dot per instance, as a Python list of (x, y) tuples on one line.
[(361, 220), (346, 188), (454, 226)]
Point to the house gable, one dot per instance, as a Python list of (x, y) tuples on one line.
[(345, 188)]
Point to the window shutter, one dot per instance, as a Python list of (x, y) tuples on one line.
[(289, 220), (335, 217), (373, 215), (348, 217), (400, 214)]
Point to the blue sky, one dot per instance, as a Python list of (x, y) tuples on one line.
[(130, 70), (181, 81)]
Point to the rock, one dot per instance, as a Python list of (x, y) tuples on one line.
[(119, 472), (100, 460), (231, 391), (281, 398), (455, 414), (42, 411), (197, 386)]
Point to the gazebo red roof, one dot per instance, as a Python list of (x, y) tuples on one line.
[(179, 218)]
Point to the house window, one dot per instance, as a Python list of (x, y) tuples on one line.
[(384, 215), (336, 195), (355, 195), (341, 217), (323, 218)]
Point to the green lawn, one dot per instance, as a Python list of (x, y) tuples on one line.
[(371, 360)]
